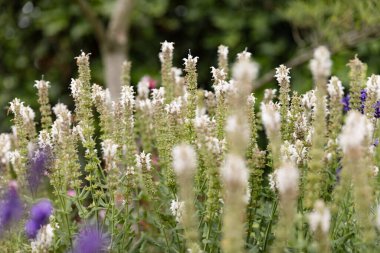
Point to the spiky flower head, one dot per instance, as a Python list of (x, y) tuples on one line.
[(144, 161), (245, 69), (167, 47), (127, 98), (91, 240), (335, 87), (218, 74), (184, 159), (282, 74), (270, 117), (41, 84), (223, 51), (190, 62), (321, 63), (319, 218), (354, 132)]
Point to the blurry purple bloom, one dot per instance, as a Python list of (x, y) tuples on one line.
[(91, 240), (376, 142), (346, 103), (39, 216), (377, 109), (10, 207), (37, 167), (363, 97)]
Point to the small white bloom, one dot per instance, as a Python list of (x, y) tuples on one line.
[(321, 63), (373, 85), (245, 69), (270, 117), (158, 96), (309, 99), (320, 217), (44, 239), (184, 159), (335, 87), (167, 47), (5, 147), (144, 161), (109, 148), (41, 84), (223, 51), (354, 132), (143, 87), (282, 74), (75, 87), (174, 107), (15, 105), (224, 87), (190, 61), (127, 98), (177, 208), (269, 95), (13, 157), (234, 170), (218, 74), (27, 114), (245, 55), (44, 139), (287, 178)]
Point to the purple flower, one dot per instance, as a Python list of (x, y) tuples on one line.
[(38, 165), (377, 109), (39, 216), (346, 103), (10, 207), (376, 142), (91, 240), (363, 97)]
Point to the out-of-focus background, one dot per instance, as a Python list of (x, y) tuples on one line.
[(40, 38)]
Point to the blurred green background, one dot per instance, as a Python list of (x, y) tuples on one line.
[(42, 37)]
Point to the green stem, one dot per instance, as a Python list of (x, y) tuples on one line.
[(266, 238)]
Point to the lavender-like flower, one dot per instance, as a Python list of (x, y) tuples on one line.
[(39, 216), (91, 240), (38, 165), (363, 97), (10, 207)]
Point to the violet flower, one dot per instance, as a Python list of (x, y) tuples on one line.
[(38, 165), (10, 207), (363, 97), (91, 240), (39, 216)]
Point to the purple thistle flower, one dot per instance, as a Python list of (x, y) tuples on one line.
[(38, 165), (10, 207), (91, 240), (39, 216)]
